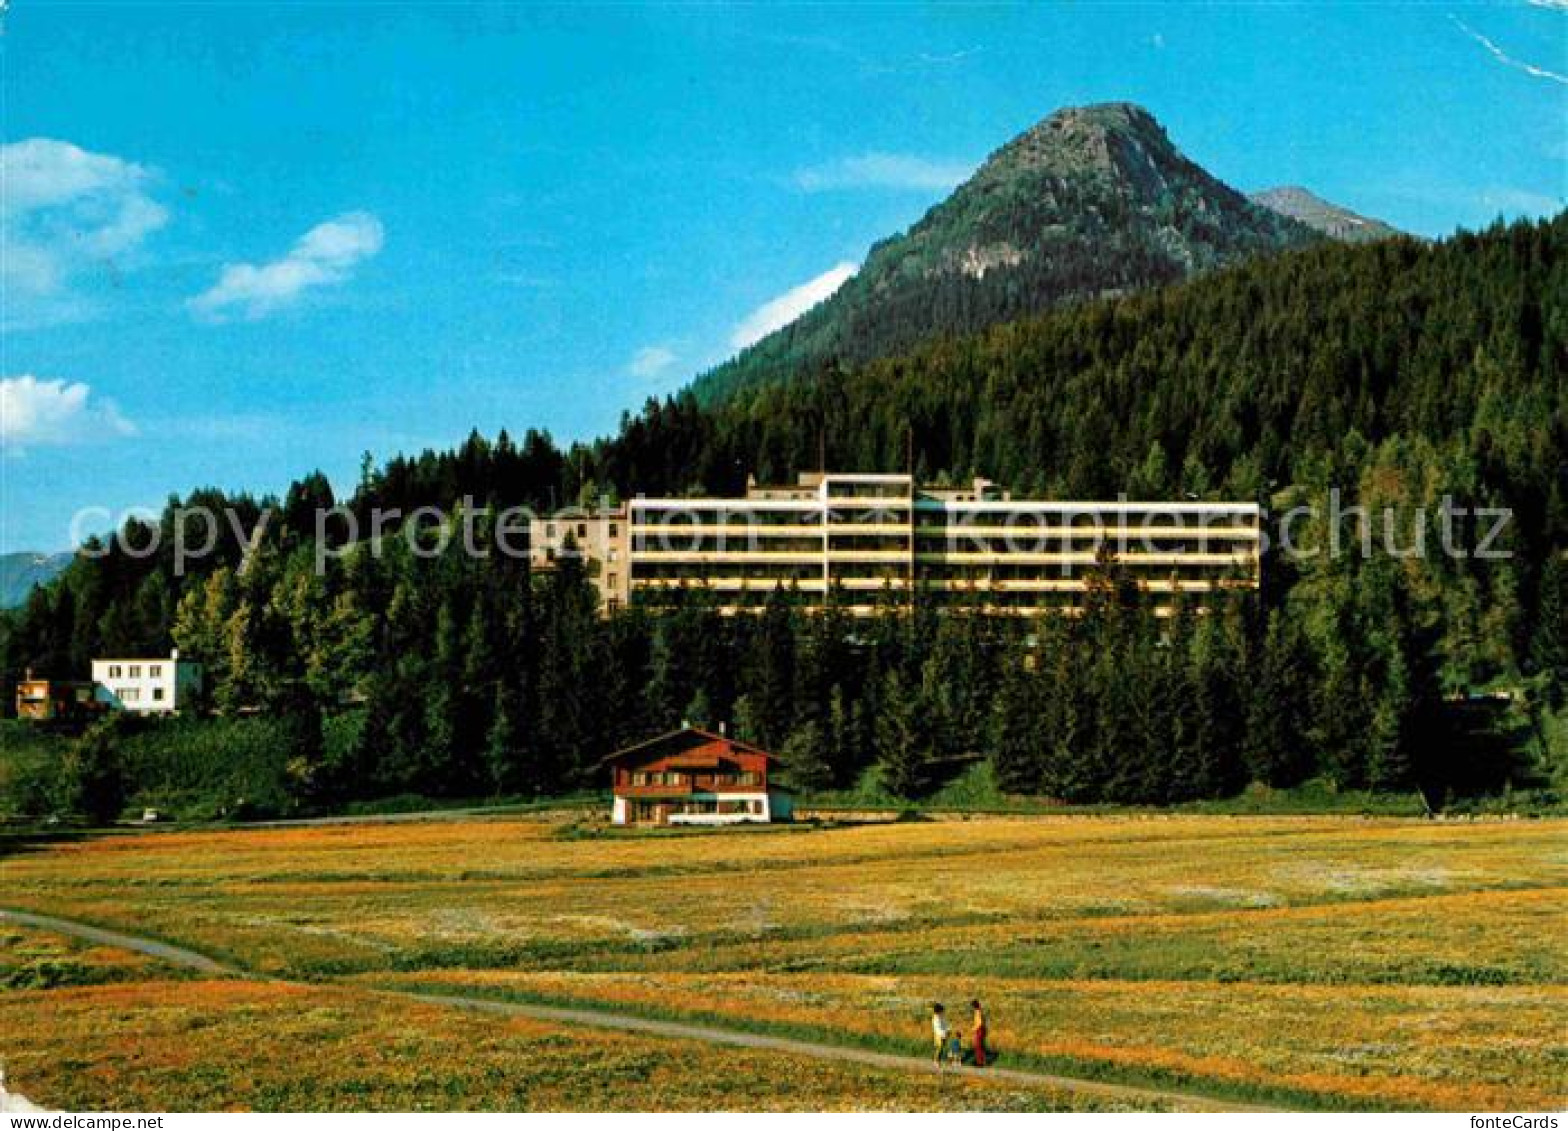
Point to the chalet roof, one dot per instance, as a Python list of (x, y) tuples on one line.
[(651, 744)]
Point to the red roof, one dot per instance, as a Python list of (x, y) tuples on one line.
[(683, 732)]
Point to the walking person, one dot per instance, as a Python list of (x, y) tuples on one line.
[(979, 1033), (939, 1033)]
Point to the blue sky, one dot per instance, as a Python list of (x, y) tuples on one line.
[(241, 242)]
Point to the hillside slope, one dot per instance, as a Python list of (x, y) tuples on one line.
[(1324, 216), (19, 572), (1091, 202)]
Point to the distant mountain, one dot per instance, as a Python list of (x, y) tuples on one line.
[(1093, 201), (1323, 216), (20, 572)]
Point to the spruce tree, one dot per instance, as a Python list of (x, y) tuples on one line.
[(805, 757), (904, 739)]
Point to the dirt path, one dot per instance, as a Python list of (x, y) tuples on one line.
[(608, 1019), (741, 1039), (177, 955)]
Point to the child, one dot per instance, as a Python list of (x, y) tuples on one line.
[(955, 1047)]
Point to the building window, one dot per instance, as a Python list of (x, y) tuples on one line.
[(136, 671), (155, 671), (549, 530), (610, 580), (130, 694), (582, 530), (614, 529), (115, 671), (157, 694)]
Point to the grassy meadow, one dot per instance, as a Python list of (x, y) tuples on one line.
[(1312, 961), (237, 1044)]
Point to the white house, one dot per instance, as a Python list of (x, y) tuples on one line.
[(150, 686)]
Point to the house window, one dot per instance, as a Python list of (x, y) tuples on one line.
[(115, 671), (130, 694), (157, 694), (155, 670), (549, 530), (610, 580), (614, 529), (582, 530)]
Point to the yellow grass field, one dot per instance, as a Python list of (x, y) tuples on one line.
[(33, 959), (1305, 961), (240, 1045)]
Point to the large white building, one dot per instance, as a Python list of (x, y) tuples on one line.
[(868, 535), (154, 685)]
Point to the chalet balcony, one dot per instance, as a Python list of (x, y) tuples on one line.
[(681, 789), (690, 783)]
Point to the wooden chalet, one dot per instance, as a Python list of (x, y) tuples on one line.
[(695, 777)]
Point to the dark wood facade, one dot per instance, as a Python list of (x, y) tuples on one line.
[(693, 776)]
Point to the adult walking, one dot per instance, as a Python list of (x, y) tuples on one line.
[(979, 1033), (939, 1033)]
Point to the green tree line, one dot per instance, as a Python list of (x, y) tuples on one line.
[(1395, 375)]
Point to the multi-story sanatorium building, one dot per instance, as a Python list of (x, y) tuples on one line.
[(866, 535)]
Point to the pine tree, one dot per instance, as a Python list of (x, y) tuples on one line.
[(504, 751), (1018, 728), (845, 738), (1276, 745), (699, 712), (805, 758), (1549, 642), (770, 683), (904, 740)]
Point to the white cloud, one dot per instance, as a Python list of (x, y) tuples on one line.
[(790, 305), (51, 412), (1506, 59), (1518, 202), (901, 171), (651, 361), (324, 256), (63, 210)]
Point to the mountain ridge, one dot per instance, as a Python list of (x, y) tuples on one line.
[(1090, 202), (1333, 220), (21, 571)]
